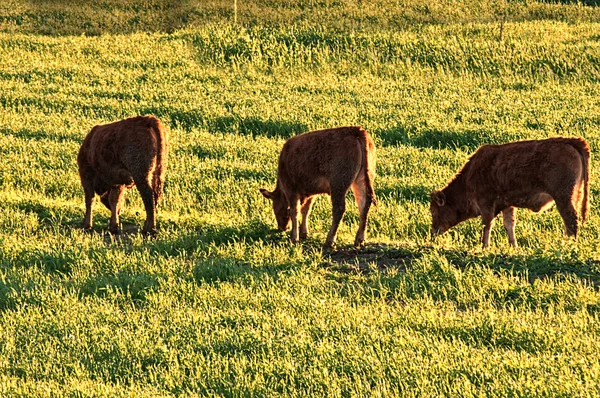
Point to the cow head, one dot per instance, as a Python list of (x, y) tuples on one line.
[(281, 207), (443, 215)]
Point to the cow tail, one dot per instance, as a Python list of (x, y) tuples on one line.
[(158, 179), (369, 162), (584, 150)]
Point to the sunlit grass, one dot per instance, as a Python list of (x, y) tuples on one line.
[(220, 303)]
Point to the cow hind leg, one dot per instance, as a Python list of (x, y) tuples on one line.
[(509, 217), (488, 223), (157, 186), (88, 190), (569, 215), (306, 208), (338, 203), (115, 200), (363, 202), (147, 195)]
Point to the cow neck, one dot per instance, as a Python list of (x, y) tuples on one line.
[(280, 192), (458, 194)]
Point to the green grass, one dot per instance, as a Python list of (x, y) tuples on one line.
[(220, 303)]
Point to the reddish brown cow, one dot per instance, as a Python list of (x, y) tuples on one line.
[(526, 174), (117, 156), (324, 162)]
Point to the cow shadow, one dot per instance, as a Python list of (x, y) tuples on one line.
[(463, 278), (382, 257)]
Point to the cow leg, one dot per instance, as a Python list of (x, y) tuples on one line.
[(569, 215), (294, 205), (488, 223), (338, 203), (509, 217), (115, 200), (89, 204), (306, 208), (148, 198), (364, 204)]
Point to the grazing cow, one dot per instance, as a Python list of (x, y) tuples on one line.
[(526, 174), (324, 162), (117, 156)]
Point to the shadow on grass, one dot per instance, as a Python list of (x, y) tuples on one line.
[(254, 126), (378, 257), (50, 216), (402, 273), (251, 126), (211, 234), (131, 286), (438, 138), (418, 193), (77, 17), (369, 258), (533, 267), (468, 282), (29, 134)]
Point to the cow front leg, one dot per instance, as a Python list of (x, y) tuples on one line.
[(294, 205), (338, 203), (509, 217), (306, 208)]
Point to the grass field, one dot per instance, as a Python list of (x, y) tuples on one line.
[(220, 303)]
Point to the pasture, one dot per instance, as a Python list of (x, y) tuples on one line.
[(221, 303)]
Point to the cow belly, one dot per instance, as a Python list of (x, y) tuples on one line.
[(314, 186), (117, 176), (538, 202), (125, 178)]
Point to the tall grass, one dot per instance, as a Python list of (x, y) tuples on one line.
[(76, 17)]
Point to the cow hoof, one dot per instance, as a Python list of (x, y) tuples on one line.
[(359, 243), (150, 234), (329, 245), (115, 231), (89, 230), (303, 235)]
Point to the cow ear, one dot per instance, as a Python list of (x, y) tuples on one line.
[(439, 197), (266, 193)]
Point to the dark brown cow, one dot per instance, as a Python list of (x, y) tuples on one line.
[(526, 174), (116, 156), (324, 162)]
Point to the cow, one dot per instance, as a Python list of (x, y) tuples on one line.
[(329, 162), (114, 157), (526, 174)]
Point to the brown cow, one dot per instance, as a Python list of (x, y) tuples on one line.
[(117, 156), (324, 162), (526, 174)]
